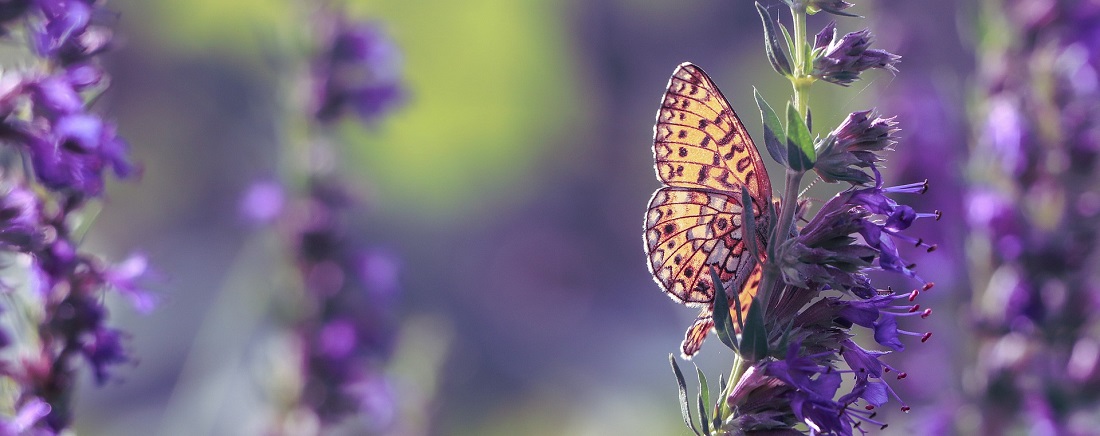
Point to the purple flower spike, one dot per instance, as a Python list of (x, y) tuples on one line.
[(66, 151)]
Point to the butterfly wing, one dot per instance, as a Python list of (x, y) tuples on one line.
[(704, 156), (699, 142)]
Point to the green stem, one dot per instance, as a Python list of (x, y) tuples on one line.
[(724, 411), (800, 78), (798, 15)]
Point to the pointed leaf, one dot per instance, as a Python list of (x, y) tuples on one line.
[(800, 147), (786, 335), (704, 419), (809, 120), (721, 313), (754, 340), (685, 408), (704, 387), (771, 43), (737, 310), (787, 37), (773, 128)]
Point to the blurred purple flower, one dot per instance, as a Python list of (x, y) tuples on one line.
[(27, 415), (77, 152), (70, 31), (20, 224), (359, 70), (1036, 164), (66, 149), (263, 202), (351, 330)]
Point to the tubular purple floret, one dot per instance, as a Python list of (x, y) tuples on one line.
[(910, 188)]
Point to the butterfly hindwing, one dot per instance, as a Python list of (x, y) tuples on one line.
[(687, 231)]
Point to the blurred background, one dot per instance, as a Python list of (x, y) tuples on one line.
[(511, 186)]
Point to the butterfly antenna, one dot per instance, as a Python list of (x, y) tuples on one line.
[(811, 185), (864, 88)]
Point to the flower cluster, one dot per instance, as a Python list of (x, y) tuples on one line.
[(345, 314), (816, 288), (854, 233), (347, 335), (67, 151), (840, 59), (1033, 210), (853, 146)]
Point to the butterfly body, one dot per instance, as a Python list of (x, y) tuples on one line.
[(704, 157)]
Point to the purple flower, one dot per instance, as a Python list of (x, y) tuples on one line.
[(126, 277), (352, 292), (1033, 209), (359, 70), (69, 31), (263, 202), (69, 148), (77, 152), (26, 417), (841, 60), (814, 387), (826, 251), (854, 145), (20, 224), (104, 348)]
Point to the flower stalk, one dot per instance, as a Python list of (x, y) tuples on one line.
[(815, 289), (342, 322), (56, 156)]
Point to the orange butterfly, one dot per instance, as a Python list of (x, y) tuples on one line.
[(704, 156)]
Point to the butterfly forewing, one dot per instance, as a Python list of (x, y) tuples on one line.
[(704, 156), (699, 142)]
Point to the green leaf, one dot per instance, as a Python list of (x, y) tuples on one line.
[(772, 129), (704, 420), (721, 313), (685, 408), (787, 37), (704, 387), (800, 147), (754, 339), (771, 43), (786, 336)]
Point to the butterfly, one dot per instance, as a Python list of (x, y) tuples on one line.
[(704, 156)]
